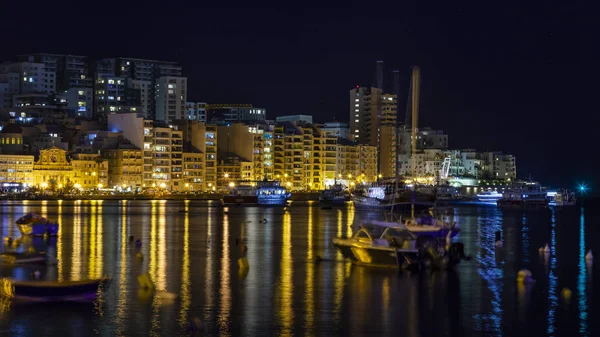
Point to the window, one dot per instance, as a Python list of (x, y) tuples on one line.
[(81, 92), (111, 97), (111, 81), (356, 120), (356, 105)]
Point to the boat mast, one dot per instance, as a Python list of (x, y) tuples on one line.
[(416, 79)]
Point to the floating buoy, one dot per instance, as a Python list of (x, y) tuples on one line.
[(145, 282), (544, 249), (589, 256), (46, 236), (195, 325), (138, 243), (524, 276), (16, 243), (139, 256), (499, 244), (243, 263), (566, 294)]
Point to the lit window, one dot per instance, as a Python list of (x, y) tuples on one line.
[(356, 100), (171, 91), (356, 105), (355, 110), (356, 131), (112, 108), (111, 97), (81, 92), (127, 62), (171, 86), (111, 81), (356, 115), (356, 120), (122, 68), (83, 77)]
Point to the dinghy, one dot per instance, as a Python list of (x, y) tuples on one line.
[(36, 225), (51, 291)]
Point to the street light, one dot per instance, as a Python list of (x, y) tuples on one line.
[(232, 184), (226, 175), (163, 185), (99, 186), (288, 184), (44, 185)]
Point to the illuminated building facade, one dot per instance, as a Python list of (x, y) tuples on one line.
[(89, 171), (52, 168), (16, 170), (125, 167)]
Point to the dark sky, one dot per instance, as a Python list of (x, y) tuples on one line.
[(495, 75)]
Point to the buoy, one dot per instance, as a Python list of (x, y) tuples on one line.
[(16, 243), (499, 244), (139, 256), (243, 263), (566, 294), (145, 282), (138, 243), (524, 276), (265, 220), (589, 256), (46, 236)]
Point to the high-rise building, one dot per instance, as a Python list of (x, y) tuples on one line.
[(146, 74), (196, 111), (373, 121), (125, 166), (171, 96), (27, 77), (80, 100), (71, 71), (112, 96), (202, 137), (336, 129), (295, 118), (427, 138), (231, 113)]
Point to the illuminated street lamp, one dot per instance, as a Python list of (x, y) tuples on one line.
[(44, 185), (285, 175), (226, 175), (99, 186), (163, 185), (288, 184), (232, 184)]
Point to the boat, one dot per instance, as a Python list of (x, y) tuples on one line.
[(51, 291), (524, 194), (385, 244), (381, 197), (334, 195), (36, 225), (11, 258), (564, 198), (489, 196), (377, 244), (252, 193)]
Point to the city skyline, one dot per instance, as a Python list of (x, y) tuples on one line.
[(494, 86)]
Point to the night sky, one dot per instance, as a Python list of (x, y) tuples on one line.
[(495, 75)]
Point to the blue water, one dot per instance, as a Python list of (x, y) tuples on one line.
[(285, 291)]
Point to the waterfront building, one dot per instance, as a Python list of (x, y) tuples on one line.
[(171, 96), (52, 169), (89, 171), (125, 168), (16, 171), (202, 137), (193, 169), (231, 170)]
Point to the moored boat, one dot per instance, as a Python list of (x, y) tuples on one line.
[(252, 193), (49, 291), (524, 194), (564, 198), (36, 225), (334, 195)]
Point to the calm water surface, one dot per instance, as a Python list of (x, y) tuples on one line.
[(285, 292)]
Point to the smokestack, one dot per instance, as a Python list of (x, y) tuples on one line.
[(379, 75)]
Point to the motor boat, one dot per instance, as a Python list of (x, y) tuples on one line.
[(377, 244), (524, 194), (51, 291), (334, 195), (252, 193), (36, 225)]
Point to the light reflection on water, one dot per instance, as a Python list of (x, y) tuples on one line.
[(286, 292)]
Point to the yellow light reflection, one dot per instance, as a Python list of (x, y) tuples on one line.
[(59, 242), (185, 270), (208, 275), (385, 291), (93, 238), (225, 287), (286, 286), (339, 274), (122, 302), (310, 276), (76, 250), (153, 270), (161, 281), (350, 221)]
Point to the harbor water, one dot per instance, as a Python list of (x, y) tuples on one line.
[(297, 283)]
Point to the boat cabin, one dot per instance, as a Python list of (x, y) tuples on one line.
[(386, 236)]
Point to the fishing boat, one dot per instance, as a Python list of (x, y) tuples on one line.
[(334, 195), (381, 197), (36, 225), (524, 194), (11, 258), (50, 291), (252, 193)]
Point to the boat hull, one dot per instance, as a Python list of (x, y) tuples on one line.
[(371, 255), (45, 291), (250, 200), (433, 231)]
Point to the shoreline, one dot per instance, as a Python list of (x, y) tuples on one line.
[(200, 197)]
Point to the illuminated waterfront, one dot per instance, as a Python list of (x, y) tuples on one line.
[(191, 249)]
